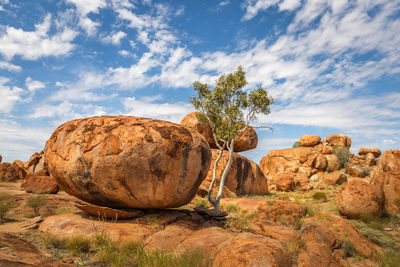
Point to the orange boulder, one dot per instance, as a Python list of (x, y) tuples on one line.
[(390, 160), (128, 162), (365, 151), (338, 140), (40, 184), (310, 140)]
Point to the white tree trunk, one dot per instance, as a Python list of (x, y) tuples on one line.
[(224, 175), (213, 201)]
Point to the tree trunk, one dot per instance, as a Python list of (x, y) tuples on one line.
[(213, 201), (224, 175)]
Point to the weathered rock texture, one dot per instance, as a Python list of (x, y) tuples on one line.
[(282, 211), (356, 170), (390, 160), (40, 184), (128, 162), (244, 176), (310, 140), (335, 178), (389, 184), (338, 140), (244, 141), (364, 151), (357, 197), (11, 172), (36, 164)]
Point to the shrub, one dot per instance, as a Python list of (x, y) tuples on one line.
[(343, 155), (240, 221), (296, 144), (64, 210), (319, 196), (36, 202), (78, 244), (201, 202), (6, 204), (52, 241), (366, 217), (310, 212), (381, 238), (388, 258), (349, 249), (231, 208)]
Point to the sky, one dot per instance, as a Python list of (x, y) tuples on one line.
[(331, 66)]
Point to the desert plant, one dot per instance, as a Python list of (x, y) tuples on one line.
[(240, 220), (310, 212), (349, 249), (319, 196), (201, 202), (6, 204), (381, 238), (343, 155), (296, 144), (78, 244), (36, 202), (231, 208), (64, 210), (294, 246), (388, 258), (228, 110), (52, 241)]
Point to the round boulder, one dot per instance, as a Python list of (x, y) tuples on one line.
[(357, 197), (310, 140), (338, 140), (244, 141), (40, 184), (128, 162), (390, 160), (365, 151)]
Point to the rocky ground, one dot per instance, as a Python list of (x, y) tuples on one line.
[(126, 191)]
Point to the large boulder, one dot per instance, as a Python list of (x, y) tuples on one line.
[(40, 184), (128, 162), (357, 197), (338, 140), (244, 141), (285, 182), (389, 184), (370, 159), (310, 140), (332, 163), (390, 160), (317, 161), (334, 178), (365, 151), (244, 176), (11, 172)]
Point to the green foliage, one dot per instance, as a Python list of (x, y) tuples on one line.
[(64, 210), (133, 253), (343, 155), (294, 246), (201, 202), (78, 244), (36, 202), (296, 144), (310, 212), (379, 237), (349, 249), (223, 107), (389, 258), (240, 220), (319, 196), (231, 208), (53, 241), (6, 204)]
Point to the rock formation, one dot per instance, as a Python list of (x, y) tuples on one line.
[(244, 141), (11, 172), (40, 184), (128, 162), (390, 160), (357, 197), (244, 176), (389, 184)]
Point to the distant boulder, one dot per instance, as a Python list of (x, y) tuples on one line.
[(310, 140), (338, 140), (390, 160), (11, 172), (40, 184), (365, 151)]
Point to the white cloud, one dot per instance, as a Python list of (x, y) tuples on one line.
[(84, 7), (33, 85), (20, 142), (66, 111), (9, 96), (290, 4), (35, 44), (115, 38), (10, 67), (147, 107), (255, 6), (224, 3)]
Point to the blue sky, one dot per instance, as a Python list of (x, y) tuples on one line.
[(332, 66)]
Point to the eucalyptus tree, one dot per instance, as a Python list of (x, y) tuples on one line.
[(228, 109)]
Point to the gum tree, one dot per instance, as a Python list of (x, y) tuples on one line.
[(228, 110)]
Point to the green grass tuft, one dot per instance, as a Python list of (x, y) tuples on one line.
[(6, 204), (36, 203), (319, 196)]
